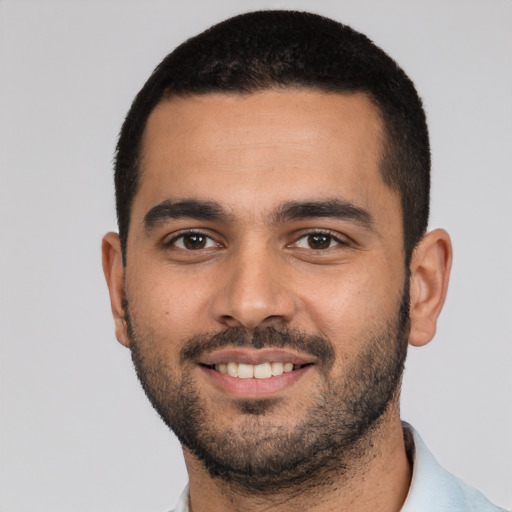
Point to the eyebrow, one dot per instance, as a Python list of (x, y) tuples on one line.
[(289, 211), (330, 208), (187, 208)]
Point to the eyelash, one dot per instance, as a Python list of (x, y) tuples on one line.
[(332, 236), (183, 234)]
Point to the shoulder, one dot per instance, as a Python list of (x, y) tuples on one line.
[(435, 489)]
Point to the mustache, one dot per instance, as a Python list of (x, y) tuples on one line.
[(266, 337)]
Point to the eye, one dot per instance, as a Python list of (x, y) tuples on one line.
[(193, 241), (317, 241)]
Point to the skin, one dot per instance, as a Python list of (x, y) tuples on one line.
[(251, 154)]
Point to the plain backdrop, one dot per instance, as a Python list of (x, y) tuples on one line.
[(76, 432)]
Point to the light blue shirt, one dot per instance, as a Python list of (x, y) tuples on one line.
[(435, 490), (432, 488)]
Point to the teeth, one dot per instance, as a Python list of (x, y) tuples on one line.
[(232, 369), (288, 367), (245, 371), (257, 371), (277, 368), (262, 371)]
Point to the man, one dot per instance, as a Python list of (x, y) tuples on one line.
[(272, 265)]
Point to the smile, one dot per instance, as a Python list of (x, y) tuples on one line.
[(254, 374), (255, 371)]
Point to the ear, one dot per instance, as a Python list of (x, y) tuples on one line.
[(430, 272), (114, 274)]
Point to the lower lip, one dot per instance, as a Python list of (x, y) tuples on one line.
[(254, 388)]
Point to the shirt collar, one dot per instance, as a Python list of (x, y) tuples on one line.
[(432, 488)]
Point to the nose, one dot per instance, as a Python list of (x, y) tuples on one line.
[(255, 292)]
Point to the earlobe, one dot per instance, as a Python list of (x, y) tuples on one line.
[(114, 274), (430, 273)]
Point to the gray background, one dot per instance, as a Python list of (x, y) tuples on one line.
[(76, 432)]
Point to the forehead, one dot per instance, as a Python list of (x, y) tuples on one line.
[(252, 151)]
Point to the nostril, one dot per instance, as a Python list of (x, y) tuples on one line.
[(230, 321), (251, 322), (273, 321)]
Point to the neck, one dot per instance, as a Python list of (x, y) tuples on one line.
[(377, 479)]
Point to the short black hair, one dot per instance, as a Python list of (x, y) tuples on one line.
[(289, 49)]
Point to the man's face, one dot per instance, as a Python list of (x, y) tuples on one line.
[(263, 239)]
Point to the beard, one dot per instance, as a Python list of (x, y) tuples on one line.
[(257, 453)]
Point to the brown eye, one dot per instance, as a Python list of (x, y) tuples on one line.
[(193, 242), (319, 241)]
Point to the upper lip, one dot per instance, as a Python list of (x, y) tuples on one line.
[(254, 356)]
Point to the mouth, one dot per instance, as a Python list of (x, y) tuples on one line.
[(265, 370), (254, 373)]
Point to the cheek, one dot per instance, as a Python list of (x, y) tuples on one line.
[(166, 304), (349, 307)]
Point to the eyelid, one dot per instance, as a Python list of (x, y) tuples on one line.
[(337, 237), (170, 240)]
